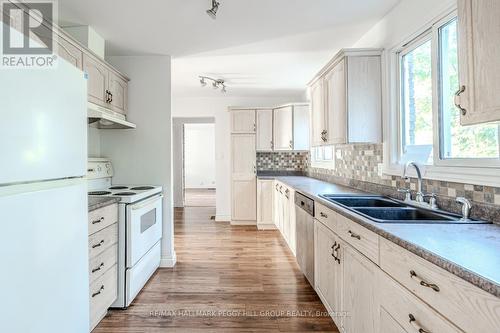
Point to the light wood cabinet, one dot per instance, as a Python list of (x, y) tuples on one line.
[(301, 131), (264, 130), (358, 292), (479, 51), (97, 80), (244, 187), (346, 99), (265, 197), (328, 263), (118, 88), (283, 128), (243, 121), (284, 213)]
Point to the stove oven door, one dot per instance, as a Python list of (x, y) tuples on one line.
[(144, 228)]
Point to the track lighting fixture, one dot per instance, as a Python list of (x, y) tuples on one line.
[(212, 12), (216, 83)]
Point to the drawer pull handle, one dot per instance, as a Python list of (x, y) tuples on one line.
[(433, 286), (354, 235), (98, 292), (98, 244), (323, 215), (98, 268), (413, 322), (98, 221)]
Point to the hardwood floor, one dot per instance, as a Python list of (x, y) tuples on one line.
[(199, 197), (227, 279)]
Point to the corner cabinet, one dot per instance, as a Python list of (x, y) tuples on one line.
[(346, 99), (283, 128), (264, 130), (479, 54)]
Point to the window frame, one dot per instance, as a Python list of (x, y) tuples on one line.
[(471, 171), (322, 164)]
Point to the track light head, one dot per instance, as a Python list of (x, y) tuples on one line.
[(203, 82), (215, 85), (212, 12), (223, 89)]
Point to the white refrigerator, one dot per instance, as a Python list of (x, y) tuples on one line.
[(44, 279)]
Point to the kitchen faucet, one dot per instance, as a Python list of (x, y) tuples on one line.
[(419, 199)]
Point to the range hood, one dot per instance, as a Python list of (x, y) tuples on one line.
[(106, 119)]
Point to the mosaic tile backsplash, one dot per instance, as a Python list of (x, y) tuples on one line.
[(357, 166), (282, 161)]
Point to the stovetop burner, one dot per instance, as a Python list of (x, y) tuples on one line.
[(142, 188), (118, 188), (123, 194), (99, 193)]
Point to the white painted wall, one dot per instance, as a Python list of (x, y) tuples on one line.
[(143, 155), (217, 107), (199, 155)]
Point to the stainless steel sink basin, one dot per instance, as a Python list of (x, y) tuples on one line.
[(382, 209), (405, 214), (363, 201)]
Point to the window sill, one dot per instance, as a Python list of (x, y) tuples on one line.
[(464, 175)]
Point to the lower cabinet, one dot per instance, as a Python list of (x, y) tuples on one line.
[(284, 213), (265, 202)]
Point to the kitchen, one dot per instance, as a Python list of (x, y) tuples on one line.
[(356, 161)]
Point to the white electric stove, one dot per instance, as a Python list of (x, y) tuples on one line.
[(139, 228)]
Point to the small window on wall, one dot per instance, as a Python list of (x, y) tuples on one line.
[(416, 101), (323, 157), (456, 141)]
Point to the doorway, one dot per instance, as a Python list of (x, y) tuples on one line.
[(194, 162)]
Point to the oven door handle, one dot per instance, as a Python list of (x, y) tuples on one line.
[(145, 203)]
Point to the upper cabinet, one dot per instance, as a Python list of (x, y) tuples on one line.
[(265, 130), (479, 54), (243, 121), (283, 128), (105, 87), (346, 99)]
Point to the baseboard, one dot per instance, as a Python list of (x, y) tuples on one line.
[(167, 262), (270, 226), (223, 218), (244, 223)]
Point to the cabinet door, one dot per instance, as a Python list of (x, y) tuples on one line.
[(280, 208), (265, 130), (276, 197), (119, 90), (327, 269), (318, 119), (479, 51), (244, 188), (301, 132), (63, 47), (97, 80), (387, 324), (336, 104), (358, 292), (243, 121), (286, 214), (283, 128), (292, 242), (265, 202)]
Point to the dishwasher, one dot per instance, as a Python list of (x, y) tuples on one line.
[(304, 213)]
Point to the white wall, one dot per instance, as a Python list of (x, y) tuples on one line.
[(217, 107), (143, 155), (199, 155)]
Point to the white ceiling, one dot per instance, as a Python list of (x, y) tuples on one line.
[(261, 47)]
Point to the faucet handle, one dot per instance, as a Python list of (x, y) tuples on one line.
[(466, 207), (432, 199), (407, 193)]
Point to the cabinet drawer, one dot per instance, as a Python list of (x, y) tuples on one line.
[(103, 293), (103, 217), (407, 310), (467, 306), (102, 240), (358, 237), (326, 216), (102, 262)]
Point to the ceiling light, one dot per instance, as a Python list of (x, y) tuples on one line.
[(203, 82), (212, 12), (216, 83), (223, 89)]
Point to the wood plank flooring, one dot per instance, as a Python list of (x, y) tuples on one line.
[(199, 197), (227, 279)]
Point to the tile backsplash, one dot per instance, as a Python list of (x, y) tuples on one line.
[(357, 166), (282, 161)]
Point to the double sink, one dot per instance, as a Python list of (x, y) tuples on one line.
[(386, 210)]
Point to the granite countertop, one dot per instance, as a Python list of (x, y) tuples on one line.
[(469, 251), (96, 202)]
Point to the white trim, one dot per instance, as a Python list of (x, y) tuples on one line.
[(268, 226), (244, 223), (168, 262), (222, 218), (469, 171)]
